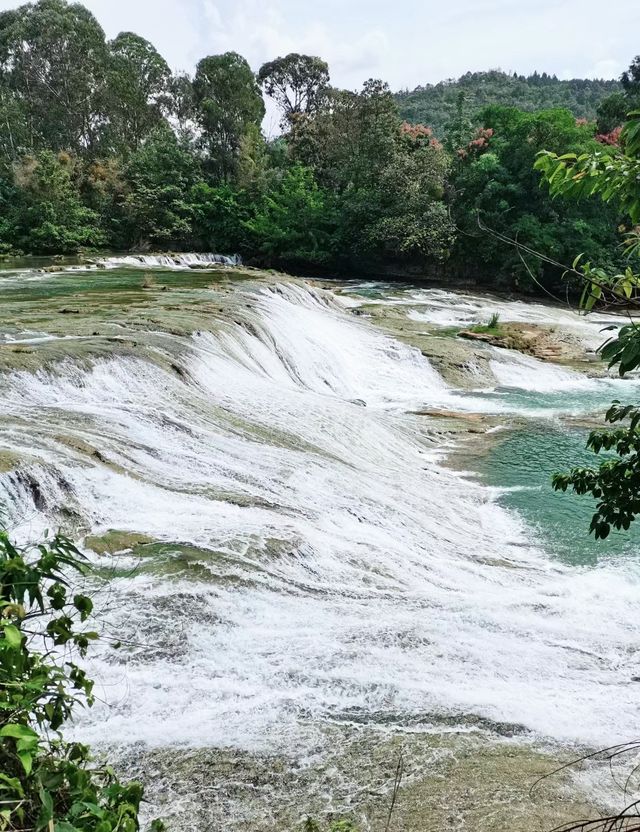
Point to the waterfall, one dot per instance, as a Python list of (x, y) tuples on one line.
[(315, 561), (169, 261)]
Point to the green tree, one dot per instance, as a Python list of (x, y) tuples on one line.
[(219, 214), (53, 58), (294, 223), (154, 209), (138, 91), (46, 214), (229, 106), (388, 178), (400, 215), (493, 184), (297, 83), (612, 112), (14, 127), (630, 79)]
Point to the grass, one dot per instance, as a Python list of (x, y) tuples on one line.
[(492, 327)]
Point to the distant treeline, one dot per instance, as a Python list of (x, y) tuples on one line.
[(103, 146), (438, 104)]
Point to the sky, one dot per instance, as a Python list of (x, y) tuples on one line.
[(405, 42)]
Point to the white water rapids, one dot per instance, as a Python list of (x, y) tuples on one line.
[(342, 572)]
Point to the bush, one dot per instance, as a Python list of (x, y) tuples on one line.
[(47, 783)]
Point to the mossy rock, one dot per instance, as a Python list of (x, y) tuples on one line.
[(115, 541), (8, 461)]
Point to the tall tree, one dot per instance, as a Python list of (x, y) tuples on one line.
[(183, 116), (229, 104), (14, 127), (493, 183), (138, 91), (297, 83), (53, 58), (630, 79), (351, 138), (613, 110)]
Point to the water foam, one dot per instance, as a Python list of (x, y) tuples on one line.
[(343, 573), (184, 260)]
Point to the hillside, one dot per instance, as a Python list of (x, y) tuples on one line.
[(435, 104)]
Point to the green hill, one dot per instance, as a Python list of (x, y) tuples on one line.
[(435, 104)]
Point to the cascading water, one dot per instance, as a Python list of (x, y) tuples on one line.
[(314, 561), (169, 261)]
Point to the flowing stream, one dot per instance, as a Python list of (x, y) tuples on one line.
[(301, 559)]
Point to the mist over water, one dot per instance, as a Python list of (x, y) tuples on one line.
[(316, 560)]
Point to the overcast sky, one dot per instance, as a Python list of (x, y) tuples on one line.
[(405, 42)]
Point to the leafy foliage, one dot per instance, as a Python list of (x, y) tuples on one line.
[(46, 212), (228, 103), (137, 97), (294, 221), (616, 483), (53, 58), (155, 209), (45, 782), (612, 176), (611, 173), (297, 83), (493, 185)]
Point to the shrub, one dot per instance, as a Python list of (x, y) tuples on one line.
[(47, 783)]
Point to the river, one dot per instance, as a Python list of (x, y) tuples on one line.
[(319, 574)]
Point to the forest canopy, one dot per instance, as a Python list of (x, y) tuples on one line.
[(439, 103), (103, 146)]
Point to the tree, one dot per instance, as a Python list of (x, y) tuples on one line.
[(46, 214), (294, 222), (219, 216), (14, 127), (229, 105), (138, 91), (297, 83), (350, 139), (53, 58), (182, 105), (630, 79), (155, 207), (612, 112), (493, 184), (388, 177), (612, 175)]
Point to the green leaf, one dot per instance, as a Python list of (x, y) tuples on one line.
[(27, 761), (46, 813), (11, 783), (12, 635), (18, 731)]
